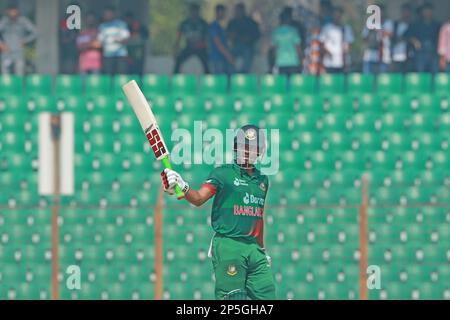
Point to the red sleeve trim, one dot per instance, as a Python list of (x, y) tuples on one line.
[(210, 187)]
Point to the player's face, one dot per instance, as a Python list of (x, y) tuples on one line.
[(246, 155)]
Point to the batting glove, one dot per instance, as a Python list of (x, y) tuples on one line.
[(173, 178)]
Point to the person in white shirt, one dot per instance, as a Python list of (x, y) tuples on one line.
[(400, 49), (377, 46), (336, 39)]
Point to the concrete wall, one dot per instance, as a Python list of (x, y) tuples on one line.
[(47, 42)]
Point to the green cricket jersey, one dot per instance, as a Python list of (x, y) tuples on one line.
[(238, 207)]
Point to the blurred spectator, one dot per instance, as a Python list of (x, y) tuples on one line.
[(136, 44), (68, 52), (377, 46), (423, 35), (286, 43), (297, 25), (220, 57), (336, 39), (444, 47), (194, 30), (90, 61), (16, 32), (113, 36), (313, 56), (400, 46), (243, 32), (326, 12)]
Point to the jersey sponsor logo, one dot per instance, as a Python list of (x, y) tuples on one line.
[(251, 199), (250, 211), (239, 182), (231, 271)]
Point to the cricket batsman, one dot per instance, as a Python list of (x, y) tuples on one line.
[(242, 268)]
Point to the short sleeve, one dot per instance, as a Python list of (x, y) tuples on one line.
[(214, 182)]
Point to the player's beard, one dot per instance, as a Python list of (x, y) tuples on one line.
[(245, 159)]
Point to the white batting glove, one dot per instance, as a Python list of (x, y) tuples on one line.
[(171, 179)]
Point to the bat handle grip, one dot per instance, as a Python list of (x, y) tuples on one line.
[(166, 163)]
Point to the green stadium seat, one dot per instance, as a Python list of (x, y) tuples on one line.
[(273, 83), (427, 103), (162, 103), (367, 122), (332, 83), (97, 85), (221, 121), (184, 84), (155, 84), (442, 83), (11, 85), (338, 103), (187, 104), (360, 83), (418, 82), (72, 103), (38, 84), (247, 104), (68, 85), (367, 103), (243, 84), (214, 84), (104, 104), (340, 122), (216, 103), (13, 103), (307, 103), (388, 83), (302, 84)]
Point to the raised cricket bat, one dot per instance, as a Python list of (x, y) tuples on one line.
[(147, 119)]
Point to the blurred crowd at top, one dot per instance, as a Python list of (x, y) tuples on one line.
[(300, 43)]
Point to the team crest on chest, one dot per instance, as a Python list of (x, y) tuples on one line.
[(262, 186), (231, 271)]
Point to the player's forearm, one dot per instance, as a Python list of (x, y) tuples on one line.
[(195, 197)]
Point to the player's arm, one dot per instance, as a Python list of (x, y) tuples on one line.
[(171, 178), (221, 47), (199, 197)]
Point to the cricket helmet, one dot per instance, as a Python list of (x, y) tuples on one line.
[(249, 145)]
